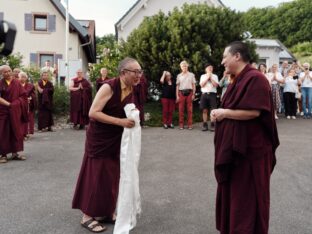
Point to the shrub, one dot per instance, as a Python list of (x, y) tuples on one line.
[(61, 101)]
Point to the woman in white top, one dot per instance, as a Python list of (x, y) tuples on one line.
[(275, 78), (290, 89)]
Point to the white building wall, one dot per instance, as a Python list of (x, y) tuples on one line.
[(27, 42), (271, 54), (152, 7)]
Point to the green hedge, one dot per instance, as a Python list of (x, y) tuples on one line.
[(61, 101)]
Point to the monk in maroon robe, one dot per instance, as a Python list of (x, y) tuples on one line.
[(45, 102), (100, 81), (245, 143), (140, 96), (80, 100), (13, 114), (97, 187), (29, 127)]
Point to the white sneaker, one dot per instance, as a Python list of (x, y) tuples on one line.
[(301, 114), (276, 117), (288, 117), (293, 117)]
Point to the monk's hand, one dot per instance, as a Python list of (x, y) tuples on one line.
[(128, 123), (218, 114)]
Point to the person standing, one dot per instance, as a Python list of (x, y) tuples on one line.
[(246, 139), (80, 100), (185, 94), (275, 78), (45, 103), (208, 100), (29, 127), (305, 80), (100, 81), (224, 83), (13, 114), (290, 89), (168, 97), (97, 186)]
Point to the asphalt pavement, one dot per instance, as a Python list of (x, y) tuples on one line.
[(176, 181)]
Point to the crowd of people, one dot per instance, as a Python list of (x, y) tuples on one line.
[(245, 141), (291, 87)]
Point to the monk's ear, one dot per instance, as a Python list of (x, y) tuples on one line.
[(238, 56)]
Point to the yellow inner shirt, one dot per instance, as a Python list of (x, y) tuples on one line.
[(125, 91), (8, 82), (44, 82)]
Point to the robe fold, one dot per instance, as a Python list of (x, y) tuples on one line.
[(245, 156), (12, 118), (32, 104), (80, 102), (45, 105), (97, 186)]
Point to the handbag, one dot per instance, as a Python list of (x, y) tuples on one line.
[(186, 92), (298, 95)]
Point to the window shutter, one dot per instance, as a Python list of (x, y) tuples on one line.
[(56, 57), (28, 22), (1, 15), (34, 58), (51, 23)]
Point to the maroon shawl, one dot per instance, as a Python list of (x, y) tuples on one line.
[(99, 82), (45, 99), (30, 91), (249, 91), (11, 118), (81, 100)]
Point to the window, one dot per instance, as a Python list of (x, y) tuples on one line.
[(46, 57), (40, 23)]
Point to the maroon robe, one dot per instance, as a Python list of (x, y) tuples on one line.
[(97, 187), (245, 157), (31, 93), (140, 96), (99, 82), (80, 102), (45, 105), (12, 118)]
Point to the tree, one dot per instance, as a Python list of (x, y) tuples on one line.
[(196, 33), (13, 60), (290, 22), (107, 50)]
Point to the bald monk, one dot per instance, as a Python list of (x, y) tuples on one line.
[(245, 143), (80, 100), (13, 113), (100, 81), (29, 127), (97, 187), (45, 102)]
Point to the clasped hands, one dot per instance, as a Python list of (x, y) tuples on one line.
[(217, 115)]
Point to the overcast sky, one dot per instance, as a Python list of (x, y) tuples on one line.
[(107, 12)]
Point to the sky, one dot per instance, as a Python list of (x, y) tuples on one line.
[(107, 12)]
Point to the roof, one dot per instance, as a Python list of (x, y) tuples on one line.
[(84, 33), (263, 42), (131, 8)]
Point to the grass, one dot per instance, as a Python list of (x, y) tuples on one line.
[(155, 111)]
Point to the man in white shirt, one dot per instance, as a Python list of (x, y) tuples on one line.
[(305, 80), (208, 101)]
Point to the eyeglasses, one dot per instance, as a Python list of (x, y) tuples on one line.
[(137, 72)]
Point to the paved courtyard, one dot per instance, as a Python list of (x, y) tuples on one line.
[(176, 180)]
